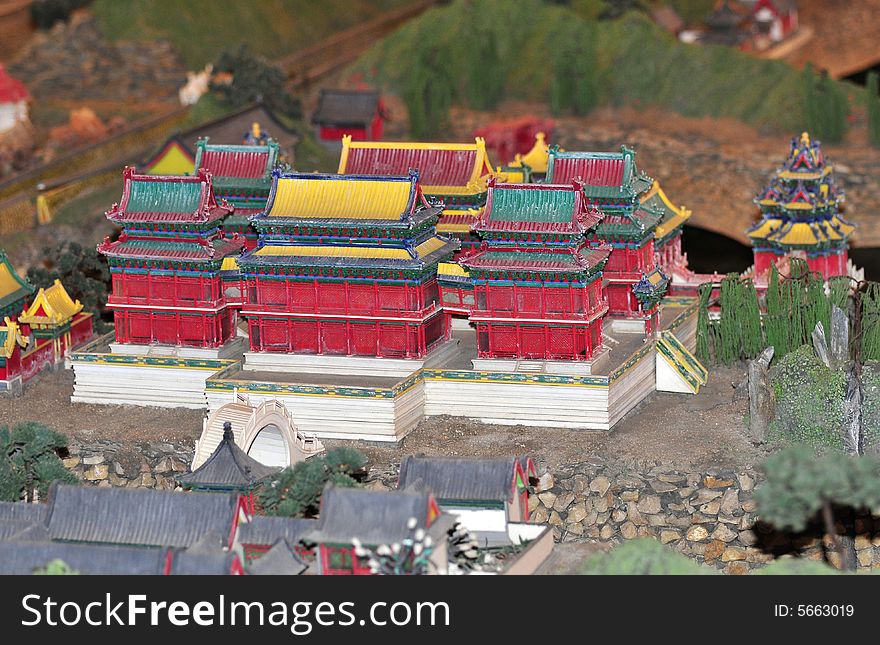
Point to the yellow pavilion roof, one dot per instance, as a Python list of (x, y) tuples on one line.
[(230, 263), (801, 233), (300, 197), (10, 336), (676, 215), (10, 282), (51, 306), (764, 228), (451, 268), (536, 158), (424, 249)]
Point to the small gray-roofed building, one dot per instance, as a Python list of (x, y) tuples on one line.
[(22, 511), (342, 108), (280, 560), (10, 528), (266, 530), (462, 479), (198, 562), (371, 516), (23, 558), (140, 517), (228, 468)]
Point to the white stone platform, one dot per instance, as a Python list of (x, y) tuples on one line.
[(231, 350), (349, 365), (598, 362)]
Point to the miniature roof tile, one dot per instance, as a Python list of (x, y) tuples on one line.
[(316, 197), (280, 560), (10, 337), (346, 107), (12, 90), (51, 306), (444, 168), (22, 511), (196, 251), (24, 558), (228, 468), (199, 562), (168, 199), (540, 259), (374, 517), (673, 218), (140, 517), (12, 286), (605, 175), (9, 529), (549, 208), (462, 479), (229, 164), (266, 530)]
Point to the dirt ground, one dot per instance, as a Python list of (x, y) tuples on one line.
[(676, 430)]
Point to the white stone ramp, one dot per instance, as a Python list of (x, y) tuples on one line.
[(678, 370)]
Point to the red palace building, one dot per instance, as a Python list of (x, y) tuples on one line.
[(346, 265), (166, 264), (613, 185), (538, 289), (241, 176)]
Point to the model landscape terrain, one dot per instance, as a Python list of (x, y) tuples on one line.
[(448, 288)]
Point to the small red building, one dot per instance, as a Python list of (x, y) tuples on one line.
[(359, 114), (165, 266), (538, 291), (346, 265), (612, 184)]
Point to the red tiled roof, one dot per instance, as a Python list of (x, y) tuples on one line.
[(170, 251), (560, 260), (594, 172), (436, 167), (228, 163), (12, 90)]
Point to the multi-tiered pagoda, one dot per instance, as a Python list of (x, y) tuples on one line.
[(613, 185), (538, 289), (801, 214), (166, 263), (242, 176), (452, 173), (346, 265)]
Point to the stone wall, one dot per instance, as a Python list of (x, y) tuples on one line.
[(709, 516), (142, 465)]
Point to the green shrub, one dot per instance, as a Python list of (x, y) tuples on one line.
[(643, 556)]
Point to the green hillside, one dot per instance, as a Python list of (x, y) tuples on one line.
[(634, 62), (200, 29)]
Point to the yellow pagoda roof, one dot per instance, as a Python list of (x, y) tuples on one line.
[(799, 233), (51, 306), (230, 263), (10, 336), (444, 171), (10, 282), (536, 158), (677, 215), (765, 228), (299, 197)]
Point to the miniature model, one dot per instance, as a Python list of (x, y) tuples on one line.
[(173, 158), (281, 560), (266, 432), (485, 494), (16, 131), (801, 215), (358, 114), (166, 286), (537, 284), (259, 535), (241, 176), (613, 185), (531, 166), (14, 290), (346, 265), (452, 173)]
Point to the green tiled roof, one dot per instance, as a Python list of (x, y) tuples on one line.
[(164, 197), (510, 205)]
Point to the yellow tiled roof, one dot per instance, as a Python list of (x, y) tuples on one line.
[(453, 228), (429, 246), (451, 268), (11, 334), (766, 227), (229, 264), (799, 233), (8, 282), (335, 251), (536, 158), (51, 306), (679, 216), (340, 199)]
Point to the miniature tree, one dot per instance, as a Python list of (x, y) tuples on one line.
[(644, 556), (56, 567), (484, 82), (296, 491), (82, 271), (799, 486), (428, 92), (29, 461), (409, 557), (825, 106), (254, 79), (704, 331), (872, 98), (574, 85)]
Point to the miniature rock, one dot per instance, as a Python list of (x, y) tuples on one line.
[(723, 533), (667, 536), (628, 530), (650, 505), (97, 472), (600, 485), (546, 482), (714, 550), (93, 460), (697, 533)]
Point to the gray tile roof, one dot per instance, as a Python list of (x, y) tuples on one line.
[(374, 517), (228, 468), (266, 530), (196, 562), (346, 107), (10, 528), (280, 560), (461, 479), (22, 558), (22, 511), (140, 517)]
